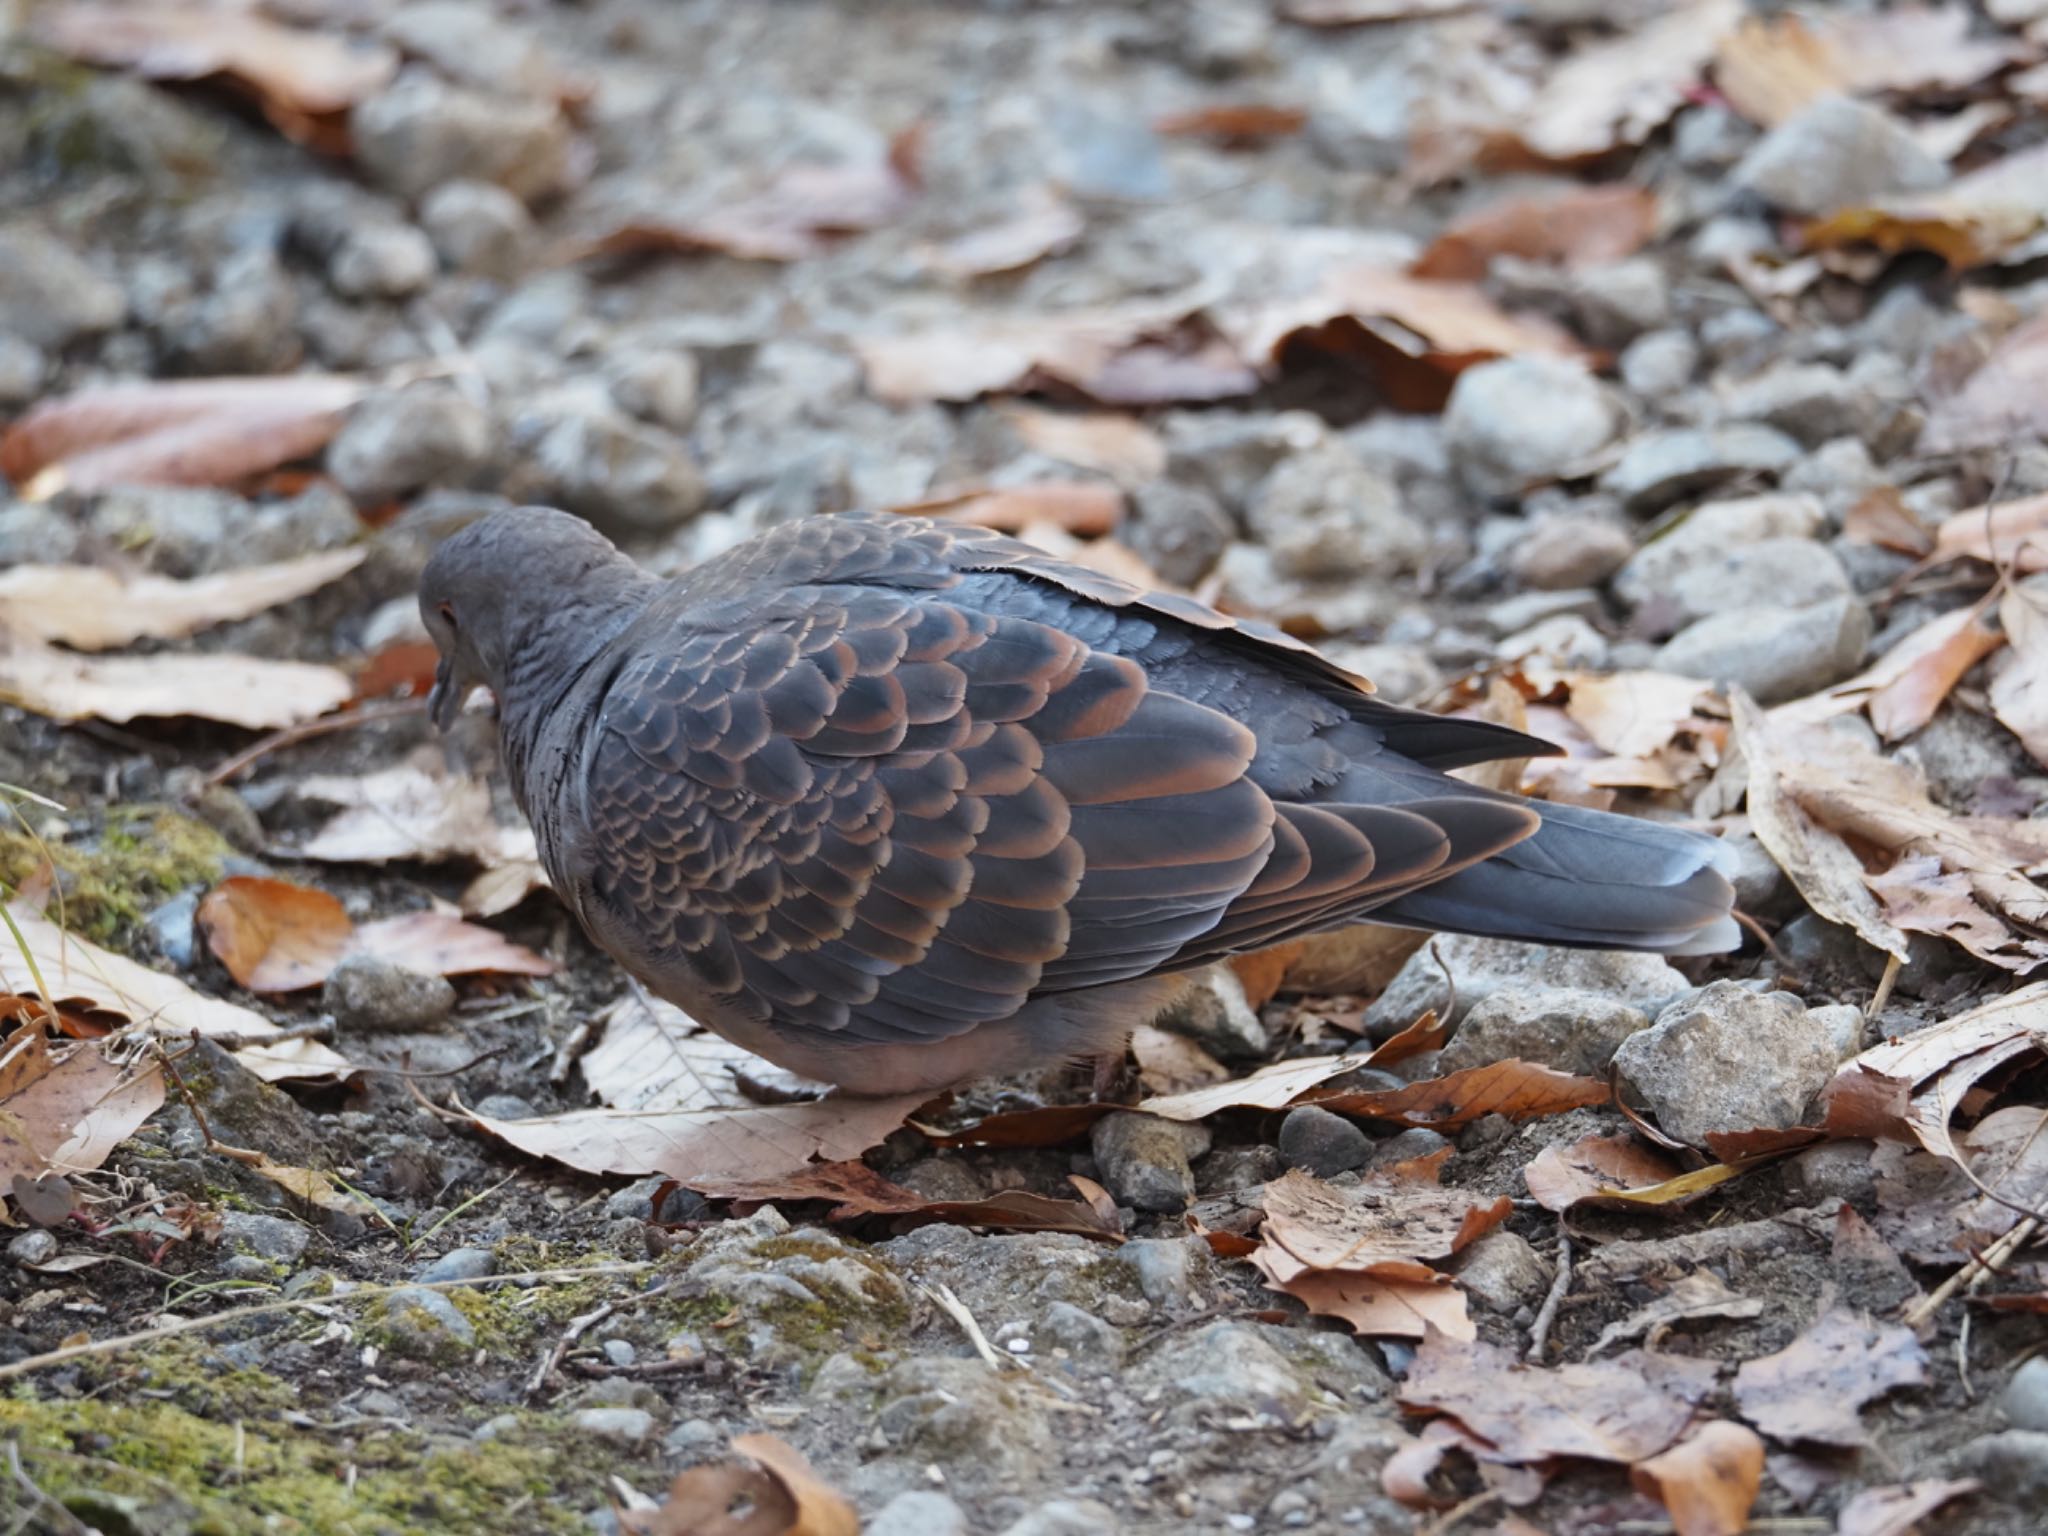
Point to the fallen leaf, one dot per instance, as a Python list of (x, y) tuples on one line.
[(1992, 212), (1390, 1222), (1271, 1087), (1360, 958), (1934, 1214), (1049, 1125), (1170, 1063), (1244, 122), (794, 216), (1354, 13), (1575, 228), (1390, 1307), (65, 1106), (413, 810), (440, 944), (2011, 533), (2019, 691), (1700, 1294), (177, 432), (1632, 714), (764, 1142), (47, 1201), (1563, 1175), (1898, 1509), (771, 1491), (1046, 225), (161, 1003), (1814, 1388), (1905, 687), (1880, 516), (1621, 1410), (304, 81), (654, 1056), (857, 1190), (1620, 92), (1708, 1481), (91, 609), (307, 1185), (80, 1018), (402, 669), (1108, 442), (249, 691), (272, 935), (1087, 508), (1262, 971), (501, 887), (1517, 1089), (1428, 1033), (1772, 69)]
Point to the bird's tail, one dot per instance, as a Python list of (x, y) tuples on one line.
[(1593, 880)]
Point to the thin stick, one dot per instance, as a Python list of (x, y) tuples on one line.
[(1539, 1333), (1459, 1513), (1981, 1266), (551, 1359), (62, 1519), (956, 1309), (1892, 966), (171, 1330), (291, 735)]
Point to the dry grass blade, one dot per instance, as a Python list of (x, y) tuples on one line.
[(92, 609)]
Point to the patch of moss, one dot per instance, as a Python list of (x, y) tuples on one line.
[(156, 1466), (200, 1381), (142, 856)]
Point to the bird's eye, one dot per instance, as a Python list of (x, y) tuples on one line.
[(448, 614)]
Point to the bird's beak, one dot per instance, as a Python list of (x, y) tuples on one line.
[(445, 702)]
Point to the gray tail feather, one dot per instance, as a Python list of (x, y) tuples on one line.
[(1593, 880)]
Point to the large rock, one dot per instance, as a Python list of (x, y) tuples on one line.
[(399, 442), (1480, 968), (1660, 467), (49, 297), (1773, 653), (1726, 1058), (1570, 1030), (1776, 573), (1837, 153), (628, 478), (1523, 420), (1708, 532), (1327, 514), (420, 131)]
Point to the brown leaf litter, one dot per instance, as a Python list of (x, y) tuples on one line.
[(66, 1104), (1814, 1388), (767, 1489)]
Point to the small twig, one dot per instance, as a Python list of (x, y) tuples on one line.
[(551, 1359), (62, 1518), (169, 1063), (1458, 1514), (1980, 1268), (1963, 1358), (1539, 1332), (943, 1298), (1762, 937), (291, 735), (1892, 966), (171, 1329), (320, 1029)]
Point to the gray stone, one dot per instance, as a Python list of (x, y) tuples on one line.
[(172, 928), (419, 1324), (1562, 553), (1483, 967), (1327, 514), (1400, 674), (636, 1199), (943, 1178), (266, 1237), (1833, 1170), (1844, 1024), (629, 1428), (1322, 1143), (387, 261), (49, 297), (626, 477), (1089, 1343), (1619, 302), (1067, 1517), (620, 1352), (1165, 1267), (479, 228), (1179, 529), (460, 1264), (421, 131), (367, 992), (400, 442), (1504, 1272), (245, 324), (1146, 1161), (1706, 533), (919, 1512), (1406, 1146), (1660, 364), (1571, 1031), (504, 1106), (22, 367), (475, 43), (35, 1246), (1523, 420), (979, 1425), (1213, 1011), (1665, 465), (2025, 1398), (1837, 153), (1773, 653), (1959, 749), (656, 384), (1811, 401), (1759, 883), (1729, 1059), (1775, 573), (1255, 1371), (2012, 1465)]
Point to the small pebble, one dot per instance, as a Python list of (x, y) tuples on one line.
[(629, 1427), (1322, 1143), (34, 1246)]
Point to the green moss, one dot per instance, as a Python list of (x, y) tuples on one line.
[(159, 1466), (142, 856)]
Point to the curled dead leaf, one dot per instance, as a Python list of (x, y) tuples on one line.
[(65, 1105), (771, 1490), (1708, 1481)]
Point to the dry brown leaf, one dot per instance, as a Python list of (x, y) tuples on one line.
[(272, 935), (692, 1145), (78, 1018), (91, 609), (1361, 958), (1904, 688), (1632, 714), (1937, 1216), (441, 944), (1517, 1089), (2019, 692), (1772, 69), (1880, 516), (1700, 1294), (1993, 212), (2012, 533), (1817, 862), (1050, 1125), (1377, 1306), (1563, 1175), (1999, 403), (1621, 1410), (64, 1106), (1387, 1224), (249, 691), (771, 1491), (1046, 225), (502, 887), (654, 1056), (1170, 1063), (1261, 971), (1574, 228), (857, 1190), (1243, 122), (1620, 92), (1708, 1481), (1086, 508), (403, 669), (308, 1185), (1428, 1033), (304, 81), (1271, 1087), (162, 1003), (1110, 443), (1898, 1509), (1906, 1089), (795, 216), (413, 810), (1814, 1388), (180, 432)]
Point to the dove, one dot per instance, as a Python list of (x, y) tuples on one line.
[(899, 804)]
